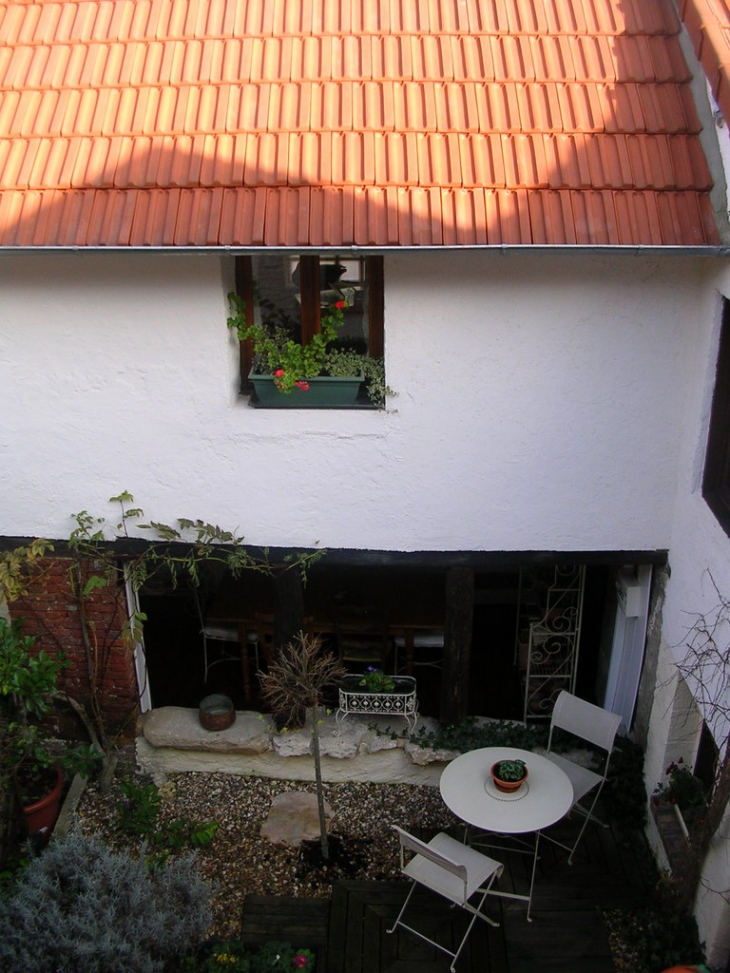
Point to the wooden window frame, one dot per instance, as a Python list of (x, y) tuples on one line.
[(309, 284), (716, 478)]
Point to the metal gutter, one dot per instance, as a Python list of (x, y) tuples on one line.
[(720, 250)]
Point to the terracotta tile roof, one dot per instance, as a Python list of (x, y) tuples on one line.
[(375, 123)]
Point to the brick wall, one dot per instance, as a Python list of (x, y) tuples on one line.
[(52, 613)]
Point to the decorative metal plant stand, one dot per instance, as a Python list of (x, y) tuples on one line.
[(401, 701)]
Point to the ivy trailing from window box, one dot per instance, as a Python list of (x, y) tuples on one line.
[(292, 364)]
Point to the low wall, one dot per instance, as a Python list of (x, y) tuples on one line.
[(171, 740)]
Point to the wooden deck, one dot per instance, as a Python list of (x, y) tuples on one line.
[(567, 934)]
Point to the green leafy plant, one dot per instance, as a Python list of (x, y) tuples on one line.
[(139, 816), (96, 568), (277, 351), (683, 789), (235, 957), (376, 681), (28, 685), (277, 955), (228, 955), (475, 734), (138, 813), (655, 936), (510, 770), (624, 796)]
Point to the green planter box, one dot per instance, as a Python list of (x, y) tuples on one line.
[(324, 392)]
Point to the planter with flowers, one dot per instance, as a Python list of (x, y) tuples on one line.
[(374, 693), (288, 374), (676, 805)]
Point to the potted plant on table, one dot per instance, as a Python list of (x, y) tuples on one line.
[(323, 372), (509, 775)]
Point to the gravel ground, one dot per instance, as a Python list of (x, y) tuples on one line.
[(240, 861)]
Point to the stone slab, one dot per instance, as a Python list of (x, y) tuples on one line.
[(178, 727), (294, 818), (171, 740), (385, 766)]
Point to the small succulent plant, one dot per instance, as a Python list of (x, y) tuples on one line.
[(510, 770)]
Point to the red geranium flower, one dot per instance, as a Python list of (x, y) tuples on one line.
[(339, 305)]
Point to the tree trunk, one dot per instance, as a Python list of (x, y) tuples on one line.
[(324, 841), (457, 645)]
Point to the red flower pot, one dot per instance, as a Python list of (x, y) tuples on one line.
[(41, 816), (506, 786)]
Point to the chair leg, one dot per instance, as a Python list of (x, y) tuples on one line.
[(475, 912), (403, 909)]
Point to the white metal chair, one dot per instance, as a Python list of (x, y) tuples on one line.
[(430, 640), (594, 725), (230, 636), (452, 870)]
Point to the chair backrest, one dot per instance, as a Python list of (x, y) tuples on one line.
[(361, 631), (409, 842), (585, 720)]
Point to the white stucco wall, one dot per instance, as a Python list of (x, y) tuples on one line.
[(700, 567), (539, 402)]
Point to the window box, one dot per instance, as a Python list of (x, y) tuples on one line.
[(672, 831), (324, 392), (400, 701)]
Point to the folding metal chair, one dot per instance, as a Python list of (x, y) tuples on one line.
[(426, 647), (362, 635), (452, 870), (231, 651), (594, 725)]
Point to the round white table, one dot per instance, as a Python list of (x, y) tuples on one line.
[(545, 797)]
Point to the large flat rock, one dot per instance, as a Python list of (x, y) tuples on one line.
[(175, 726), (294, 818)]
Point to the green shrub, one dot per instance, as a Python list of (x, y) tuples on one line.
[(79, 908), (656, 936), (685, 790), (473, 734), (139, 817), (624, 795), (233, 956)]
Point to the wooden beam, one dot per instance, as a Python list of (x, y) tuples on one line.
[(457, 644), (289, 607)]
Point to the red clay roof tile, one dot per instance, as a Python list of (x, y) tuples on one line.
[(333, 122)]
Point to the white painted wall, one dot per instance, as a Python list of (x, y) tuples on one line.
[(549, 401), (699, 551), (539, 398)]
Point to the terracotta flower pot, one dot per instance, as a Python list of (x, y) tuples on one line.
[(506, 786), (41, 816)]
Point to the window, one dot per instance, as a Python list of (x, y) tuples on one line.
[(294, 290), (716, 480), (707, 759)]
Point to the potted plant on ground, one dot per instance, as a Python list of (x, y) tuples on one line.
[(323, 372), (31, 774), (509, 775)]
